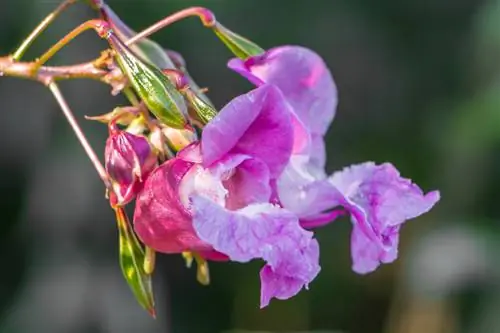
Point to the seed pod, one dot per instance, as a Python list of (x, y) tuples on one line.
[(152, 86)]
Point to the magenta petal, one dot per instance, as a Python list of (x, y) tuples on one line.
[(261, 231), (284, 286), (191, 153), (160, 219), (257, 124), (303, 78), (382, 202), (367, 255), (246, 180)]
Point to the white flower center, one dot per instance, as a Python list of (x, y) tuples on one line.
[(201, 181)]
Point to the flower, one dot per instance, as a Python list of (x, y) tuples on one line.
[(128, 161), (214, 197), (377, 198)]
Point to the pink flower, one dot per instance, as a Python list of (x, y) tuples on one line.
[(128, 161), (214, 197), (377, 198)]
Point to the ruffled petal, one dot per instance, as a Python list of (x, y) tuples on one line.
[(367, 255), (261, 231), (380, 201), (303, 78), (257, 124), (282, 286)]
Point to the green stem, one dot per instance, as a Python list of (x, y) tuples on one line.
[(131, 96), (21, 50)]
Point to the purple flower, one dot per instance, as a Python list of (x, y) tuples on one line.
[(380, 201), (303, 78), (128, 161), (214, 197), (377, 198)]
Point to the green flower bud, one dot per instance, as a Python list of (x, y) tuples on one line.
[(152, 86)]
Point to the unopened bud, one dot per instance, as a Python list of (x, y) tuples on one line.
[(204, 111), (152, 86), (240, 46), (128, 161)]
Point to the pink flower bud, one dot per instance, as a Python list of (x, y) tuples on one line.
[(129, 160)]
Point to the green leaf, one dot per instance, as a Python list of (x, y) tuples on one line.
[(240, 46), (132, 258)]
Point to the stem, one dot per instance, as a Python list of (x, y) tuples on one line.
[(79, 133), (100, 26), (206, 16), (41, 28), (47, 74), (132, 98)]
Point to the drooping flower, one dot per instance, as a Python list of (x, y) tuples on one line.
[(377, 198), (214, 197), (128, 161)]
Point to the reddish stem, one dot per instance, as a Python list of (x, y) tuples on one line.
[(205, 15), (47, 74)]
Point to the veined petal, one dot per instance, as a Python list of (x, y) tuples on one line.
[(281, 286), (303, 78), (261, 231), (382, 202), (386, 198), (368, 255), (257, 124)]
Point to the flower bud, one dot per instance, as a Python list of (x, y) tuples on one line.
[(152, 86), (128, 160), (240, 46), (204, 111)]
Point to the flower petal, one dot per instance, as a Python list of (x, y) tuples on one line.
[(246, 180), (386, 198), (367, 255), (303, 78), (261, 231), (303, 190), (160, 219), (381, 201), (257, 124)]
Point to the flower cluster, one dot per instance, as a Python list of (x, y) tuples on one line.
[(246, 182), (252, 185)]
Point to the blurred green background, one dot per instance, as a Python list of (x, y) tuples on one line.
[(419, 86)]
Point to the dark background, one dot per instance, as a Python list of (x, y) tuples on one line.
[(419, 86)]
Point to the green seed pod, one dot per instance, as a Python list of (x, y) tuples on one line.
[(240, 46), (152, 86), (204, 110)]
